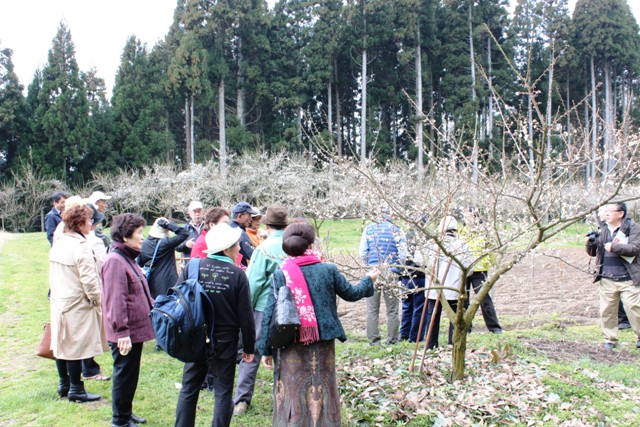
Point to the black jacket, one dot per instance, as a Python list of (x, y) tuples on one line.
[(246, 247), (227, 286), (631, 249), (194, 232), (163, 273)]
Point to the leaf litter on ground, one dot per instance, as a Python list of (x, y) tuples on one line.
[(508, 392)]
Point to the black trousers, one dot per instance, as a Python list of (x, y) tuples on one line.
[(224, 370), (486, 305), (434, 316), (126, 370), (90, 367), (69, 370)]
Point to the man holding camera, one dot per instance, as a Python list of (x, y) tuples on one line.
[(617, 250)]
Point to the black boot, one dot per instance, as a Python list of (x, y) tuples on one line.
[(77, 393), (63, 387)]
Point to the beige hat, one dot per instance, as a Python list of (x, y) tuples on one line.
[(448, 223), (74, 201), (222, 237), (157, 231)]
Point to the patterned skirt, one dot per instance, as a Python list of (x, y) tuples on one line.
[(305, 387)]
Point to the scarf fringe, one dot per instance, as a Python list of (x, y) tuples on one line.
[(308, 335)]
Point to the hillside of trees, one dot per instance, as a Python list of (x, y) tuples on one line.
[(377, 79)]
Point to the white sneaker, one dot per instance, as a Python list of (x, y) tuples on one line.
[(240, 408)]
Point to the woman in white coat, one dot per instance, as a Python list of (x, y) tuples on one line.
[(77, 331), (449, 275)]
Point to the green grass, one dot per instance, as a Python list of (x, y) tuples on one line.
[(28, 383), (341, 235)]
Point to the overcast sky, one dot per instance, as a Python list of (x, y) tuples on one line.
[(99, 30)]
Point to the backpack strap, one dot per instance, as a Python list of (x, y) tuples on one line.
[(194, 268)]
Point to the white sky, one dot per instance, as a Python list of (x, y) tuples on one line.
[(99, 30)]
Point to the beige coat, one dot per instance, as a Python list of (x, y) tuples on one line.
[(77, 331)]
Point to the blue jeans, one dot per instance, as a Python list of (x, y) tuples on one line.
[(412, 306), (224, 371)]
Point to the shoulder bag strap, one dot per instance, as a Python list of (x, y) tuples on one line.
[(154, 254)]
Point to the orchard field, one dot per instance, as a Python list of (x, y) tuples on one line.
[(548, 368)]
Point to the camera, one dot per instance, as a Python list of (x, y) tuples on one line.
[(592, 236)]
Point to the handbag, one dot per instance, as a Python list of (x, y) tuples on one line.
[(285, 322), (147, 270), (44, 346)]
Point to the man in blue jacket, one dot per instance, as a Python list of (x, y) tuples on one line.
[(384, 244), (53, 218)]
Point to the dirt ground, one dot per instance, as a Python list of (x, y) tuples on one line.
[(551, 286)]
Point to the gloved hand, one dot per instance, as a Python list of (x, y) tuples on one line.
[(162, 222)]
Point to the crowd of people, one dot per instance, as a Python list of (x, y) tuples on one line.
[(101, 297), (103, 289)]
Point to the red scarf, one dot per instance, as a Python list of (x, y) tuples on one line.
[(295, 280)]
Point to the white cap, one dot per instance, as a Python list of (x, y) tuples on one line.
[(448, 223), (194, 205), (98, 195), (222, 237)]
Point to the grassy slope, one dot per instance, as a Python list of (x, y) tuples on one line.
[(28, 383)]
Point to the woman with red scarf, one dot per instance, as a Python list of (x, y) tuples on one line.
[(305, 386)]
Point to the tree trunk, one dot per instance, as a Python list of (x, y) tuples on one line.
[(458, 352), (490, 103), (586, 135), (394, 132), (530, 127), (474, 154), (300, 116), (568, 108), (240, 107), (222, 130), (192, 131), (471, 56), (594, 127), (609, 155), (432, 120), (187, 134), (330, 115), (338, 118), (363, 109), (549, 111), (419, 113)]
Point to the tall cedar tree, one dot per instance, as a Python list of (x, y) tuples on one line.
[(62, 111), (13, 113)]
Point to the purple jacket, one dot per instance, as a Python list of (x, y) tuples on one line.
[(126, 300)]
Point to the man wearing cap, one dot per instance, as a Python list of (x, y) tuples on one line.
[(53, 218), (265, 260), (253, 230), (384, 244), (241, 218), (98, 200), (227, 287), (194, 211)]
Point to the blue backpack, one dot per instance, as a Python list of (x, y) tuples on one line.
[(183, 319)]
